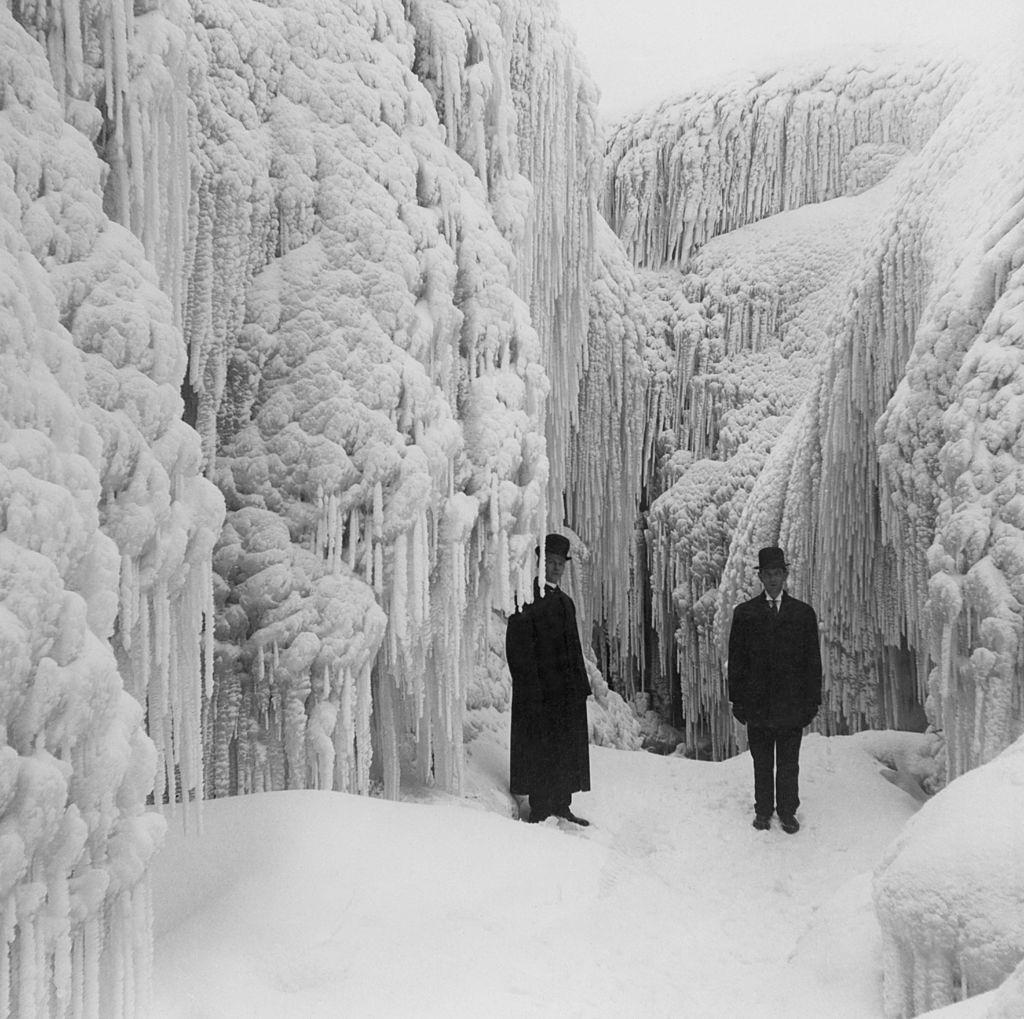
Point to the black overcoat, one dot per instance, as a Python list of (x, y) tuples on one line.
[(549, 750), (775, 662)]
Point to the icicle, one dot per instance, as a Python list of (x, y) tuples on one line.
[(363, 742), (378, 537), (353, 537)]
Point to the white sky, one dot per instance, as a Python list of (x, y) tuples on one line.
[(644, 50)]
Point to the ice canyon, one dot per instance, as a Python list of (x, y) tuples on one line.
[(315, 317)]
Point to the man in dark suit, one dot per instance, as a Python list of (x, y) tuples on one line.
[(549, 755), (775, 687)]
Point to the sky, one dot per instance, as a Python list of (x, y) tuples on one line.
[(646, 50), (301, 905)]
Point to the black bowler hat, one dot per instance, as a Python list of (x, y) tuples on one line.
[(772, 558), (556, 544)]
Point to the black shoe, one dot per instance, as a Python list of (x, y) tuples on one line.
[(570, 816), (790, 825), (762, 822), (537, 818)]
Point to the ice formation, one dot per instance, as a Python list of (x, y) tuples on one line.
[(739, 150), (359, 218), (107, 536), (385, 395), (357, 247), (749, 202), (748, 333), (602, 492), (791, 302), (842, 378), (948, 892)]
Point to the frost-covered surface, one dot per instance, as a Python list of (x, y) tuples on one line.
[(745, 331), (838, 379), (375, 226), (606, 465), (385, 397), (107, 529), (903, 543), (669, 904), (948, 893), (956, 417), (740, 149)]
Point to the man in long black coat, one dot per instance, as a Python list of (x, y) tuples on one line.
[(549, 756), (775, 687)]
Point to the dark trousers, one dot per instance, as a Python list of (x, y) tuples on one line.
[(776, 754), (549, 803)]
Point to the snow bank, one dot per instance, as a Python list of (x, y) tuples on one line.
[(948, 893), (668, 904)]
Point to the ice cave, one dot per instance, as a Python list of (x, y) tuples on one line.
[(316, 317)]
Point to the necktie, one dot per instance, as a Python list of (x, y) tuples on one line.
[(775, 606)]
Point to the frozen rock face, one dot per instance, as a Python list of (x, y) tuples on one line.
[(748, 326), (852, 354), (948, 894), (739, 150), (107, 530), (955, 417), (385, 392), (764, 192)]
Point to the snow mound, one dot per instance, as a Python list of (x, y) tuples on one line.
[(949, 891)]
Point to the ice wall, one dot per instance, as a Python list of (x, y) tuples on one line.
[(605, 467), (383, 400), (248, 147), (737, 150), (749, 200), (908, 542), (955, 419), (107, 531), (745, 332), (781, 345)]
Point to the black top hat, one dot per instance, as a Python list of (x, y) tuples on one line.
[(771, 558), (557, 544)]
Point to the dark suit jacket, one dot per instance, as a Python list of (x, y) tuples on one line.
[(549, 750), (775, 662)]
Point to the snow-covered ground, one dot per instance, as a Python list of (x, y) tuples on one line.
[(670, 904)]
